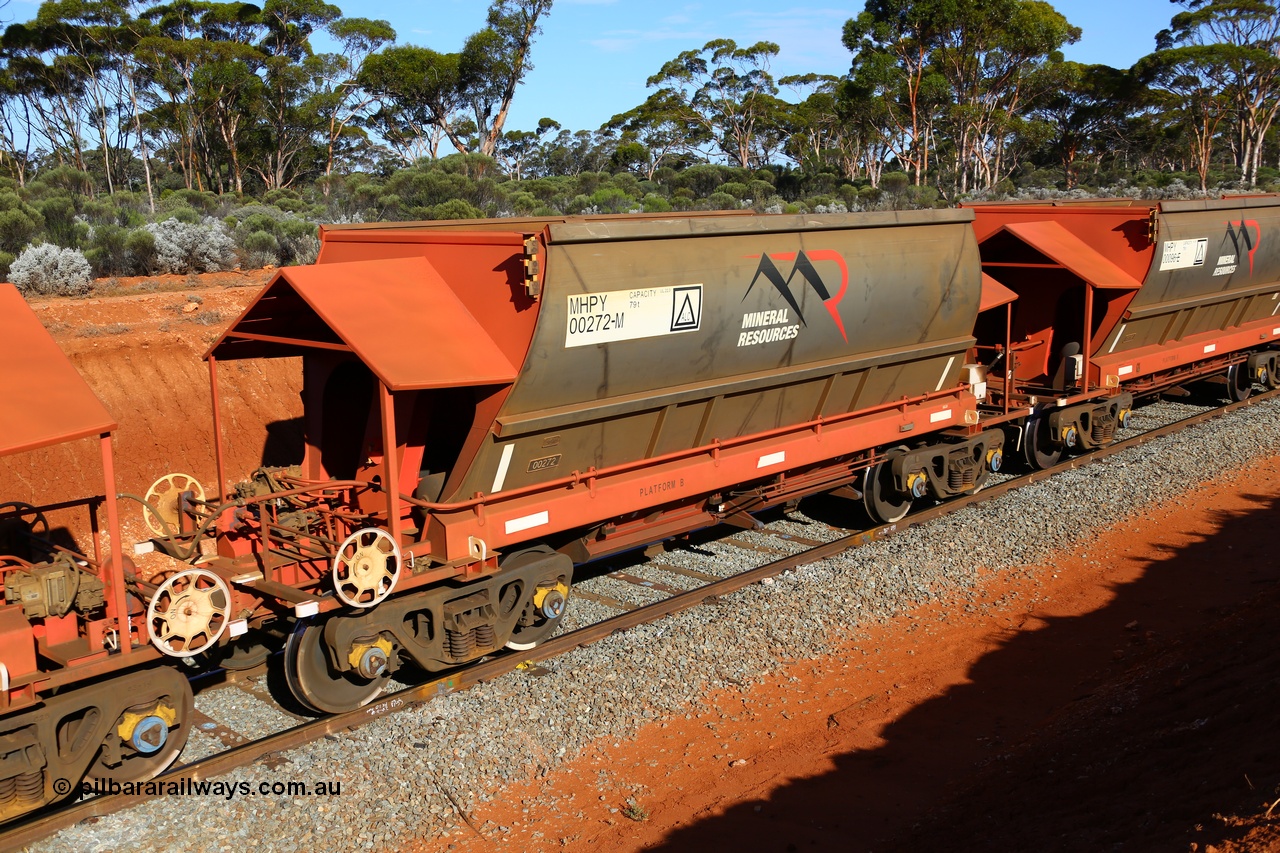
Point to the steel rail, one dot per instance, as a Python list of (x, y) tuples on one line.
[(487, 669)]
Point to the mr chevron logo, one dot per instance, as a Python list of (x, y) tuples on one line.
[(1238, 233), (803, 266)]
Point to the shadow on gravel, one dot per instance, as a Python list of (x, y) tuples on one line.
[(1125, 728)]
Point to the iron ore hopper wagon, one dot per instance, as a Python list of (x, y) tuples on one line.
[(488, 404), (1124, 298)]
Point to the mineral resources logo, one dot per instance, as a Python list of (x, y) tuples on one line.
[(778, 323), (1238, 233)]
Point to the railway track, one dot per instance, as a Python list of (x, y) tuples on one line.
[(625, 597)]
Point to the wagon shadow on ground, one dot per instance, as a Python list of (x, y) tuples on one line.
[(1127, 727)]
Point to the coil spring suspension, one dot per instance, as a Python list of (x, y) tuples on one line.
[(25, 787), (962, 474), (461, 643), (30, 786), (1103, 429)]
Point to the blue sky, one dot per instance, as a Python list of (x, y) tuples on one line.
[(594, 56)]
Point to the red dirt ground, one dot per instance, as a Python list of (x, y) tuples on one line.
[(1123, 697)]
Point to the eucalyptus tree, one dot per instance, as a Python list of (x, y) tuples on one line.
[(1233, 47), (340, 101), (813, 124), (999, 58), (52, 89), (662, 127), (518, 147), (205, 92), (476, 84), (892, 42), (729, 91), (416, 88), (1088, 115), (290, 73), (863, 121)]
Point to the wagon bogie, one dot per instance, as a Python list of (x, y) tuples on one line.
[(341, 661)]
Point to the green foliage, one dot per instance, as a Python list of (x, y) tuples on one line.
[(611, 200), (260, 249), (721, 201), (654, 203), (107, 251), (701, 180), (140, 245), (20, 223), (454, 209)]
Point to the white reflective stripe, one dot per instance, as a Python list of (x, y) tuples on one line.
[(525, 522), (1119, 335), (1277, 308), (945, 371), (771, 459), (1125, 371), (4, 678), (944, 415), (503, 464), (1210, 347), (1275, 331), (238, 628), (306, 608), (140, 548)]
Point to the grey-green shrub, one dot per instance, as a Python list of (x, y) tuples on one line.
[(184, 247), (48, 270)]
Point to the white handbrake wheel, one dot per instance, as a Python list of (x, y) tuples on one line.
[(189, 613), (366, 568)]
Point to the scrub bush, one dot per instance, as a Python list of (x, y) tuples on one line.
[(49, 270)]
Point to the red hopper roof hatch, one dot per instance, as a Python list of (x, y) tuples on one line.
[(396, 315), (45, 400)]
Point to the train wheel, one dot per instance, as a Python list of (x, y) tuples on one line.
[(315, 683), (244, 654), (148, 736), (546, 608), (881, 498), (1037, 446), (1239, 383)]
